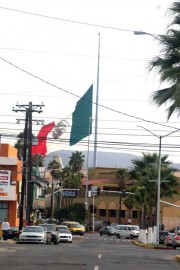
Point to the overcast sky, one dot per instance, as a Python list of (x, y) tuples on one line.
[(49, 54)]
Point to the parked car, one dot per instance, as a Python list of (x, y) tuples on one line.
[(107, 230), (134, 231), (33, 234), (168, 239), (74, 227), (61, 227), (127, 231), (13, 232), (176, 240), (98, 224), (162, 236), (65, 236), (51, 229)]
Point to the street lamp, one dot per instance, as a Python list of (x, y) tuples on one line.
[(142, 33), (159, 177)]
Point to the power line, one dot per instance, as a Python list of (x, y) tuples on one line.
[(69, 21), (100, 105)]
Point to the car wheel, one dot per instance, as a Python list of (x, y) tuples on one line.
[(118, 235), (162, 237), (56, 242), (131, 236), (100, 234), (109, 234)]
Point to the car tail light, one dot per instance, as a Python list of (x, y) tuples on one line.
[(177, 237), (169, 237)]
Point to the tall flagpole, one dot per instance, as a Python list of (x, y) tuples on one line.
[(87, 166), (97, 101)]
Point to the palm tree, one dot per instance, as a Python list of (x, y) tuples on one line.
[(76, 162), (168, 64), (55, 169), (122, 175), (145, 170)]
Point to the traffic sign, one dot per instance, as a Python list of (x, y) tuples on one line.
[(69, 193), (94, 191)]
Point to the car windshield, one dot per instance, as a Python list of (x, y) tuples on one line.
[(33, 229), (48, 227), (76, 225), (136, 228), (61, 227)]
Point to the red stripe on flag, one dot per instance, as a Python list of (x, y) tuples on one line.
[(41, 148)]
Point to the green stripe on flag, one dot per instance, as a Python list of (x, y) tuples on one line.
[(82, 118)]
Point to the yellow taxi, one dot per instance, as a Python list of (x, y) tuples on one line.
[(74, 227)]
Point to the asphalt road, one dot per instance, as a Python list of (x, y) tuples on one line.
[(90, 252)]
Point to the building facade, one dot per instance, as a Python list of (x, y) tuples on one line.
[(10, 184)]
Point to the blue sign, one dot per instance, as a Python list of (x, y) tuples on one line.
[(69, 193)]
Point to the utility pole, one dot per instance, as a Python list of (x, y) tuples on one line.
[(27, 187)]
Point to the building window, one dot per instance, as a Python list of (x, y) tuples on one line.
[(3, 211), (102, 212), (112, 213), (122, 213), (134, 214), (91, 208)]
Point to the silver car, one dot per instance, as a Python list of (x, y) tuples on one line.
[(33, 234), (168, 239), (176, 240)]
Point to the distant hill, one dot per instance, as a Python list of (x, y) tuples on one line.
[(104, 159)]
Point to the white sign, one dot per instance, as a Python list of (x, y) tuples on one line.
[(93, 191), (7, 188)]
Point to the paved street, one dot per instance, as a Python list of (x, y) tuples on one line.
[(90, 252)]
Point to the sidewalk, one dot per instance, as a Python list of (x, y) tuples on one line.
[(9, 241)]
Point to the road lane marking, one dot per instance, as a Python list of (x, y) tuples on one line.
[(99, 256), (96, 267)]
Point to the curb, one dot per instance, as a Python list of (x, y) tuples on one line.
[(150, 246), (7, 241)]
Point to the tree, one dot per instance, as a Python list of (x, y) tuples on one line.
[(55, 168), (37, 160), (75, 212), (76, 162), (145, 170), (19, 145), (122, 175), (168, 64)]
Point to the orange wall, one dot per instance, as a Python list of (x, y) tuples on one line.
[(6, 150)]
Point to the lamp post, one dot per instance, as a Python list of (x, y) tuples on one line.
[(142, 33), (159, 177)]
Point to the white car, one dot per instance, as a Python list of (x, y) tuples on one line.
[(33, 234), (65, 236), (61, 227), (134, 232), (127, 231)]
